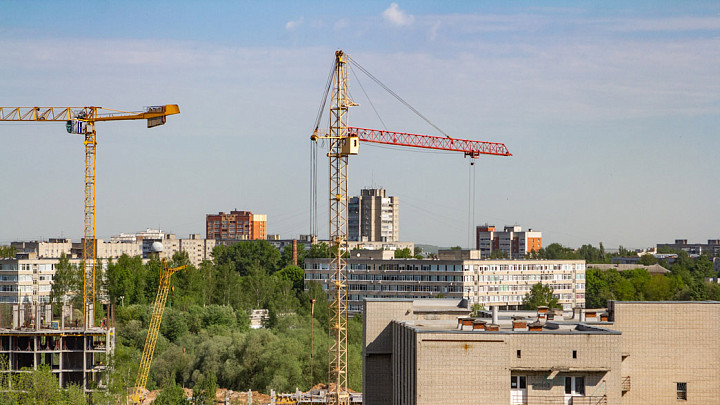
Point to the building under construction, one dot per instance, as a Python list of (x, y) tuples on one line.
[(75, 354)]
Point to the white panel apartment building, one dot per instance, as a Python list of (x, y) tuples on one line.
[(454, 274), (28, 279)]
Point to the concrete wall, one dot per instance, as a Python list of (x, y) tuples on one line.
[(669, 342)]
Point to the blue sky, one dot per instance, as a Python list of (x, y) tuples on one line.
[(611, 110)]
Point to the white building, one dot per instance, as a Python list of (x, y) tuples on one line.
[(454, 274)]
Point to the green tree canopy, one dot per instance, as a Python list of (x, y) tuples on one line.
[(540, 295)]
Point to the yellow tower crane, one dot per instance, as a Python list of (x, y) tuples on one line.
[(81, 120), (153, 330)]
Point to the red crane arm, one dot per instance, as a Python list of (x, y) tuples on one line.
[(470, 148)]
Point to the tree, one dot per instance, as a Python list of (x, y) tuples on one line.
[(171, 394), (403, 253), (498, 254), (648, 259), (244, 254), (7, 252), (38, 387), (205, 391), (67, 280), (294, 274), (318, 250), (540, 295)]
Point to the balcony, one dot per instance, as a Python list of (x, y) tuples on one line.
[(625, 384), (562, 400)]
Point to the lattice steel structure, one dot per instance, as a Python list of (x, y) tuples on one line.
[(81, 120), (153, 330)]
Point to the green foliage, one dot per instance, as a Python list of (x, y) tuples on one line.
[(206, 330), (476, 308), (67, 279), (294, 274), (7, 252), (498, 254), (242, 255), (204, 392), (171, 394), (403, 253), (39, 386), (648, 259), (318, 250), (540, 295), (286, 256)]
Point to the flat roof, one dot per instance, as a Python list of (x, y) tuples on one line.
[(505, 327)]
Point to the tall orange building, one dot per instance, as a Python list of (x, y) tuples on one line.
[(512, 240), (237, 225)]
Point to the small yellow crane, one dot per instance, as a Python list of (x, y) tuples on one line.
[(81, 120), (158, 308)]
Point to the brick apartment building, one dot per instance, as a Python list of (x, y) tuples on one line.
[(237, 225), (512, 240)]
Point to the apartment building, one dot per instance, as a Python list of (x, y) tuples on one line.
[(454, 274), (27, 279), (512, 240), (711, 248), (432, 352), (237, 225), (373, 217), (197, 248)]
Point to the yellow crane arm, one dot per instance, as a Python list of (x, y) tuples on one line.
[(83, 113), (153, 330)]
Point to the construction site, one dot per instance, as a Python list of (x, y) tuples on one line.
[(78, 351), (75, 354)]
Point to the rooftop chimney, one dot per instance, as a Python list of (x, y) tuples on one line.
[(494, 314)]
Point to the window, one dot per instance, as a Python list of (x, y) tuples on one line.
[(574, 354), (519, 354), (518, 382), (575, 386), (682, 390)]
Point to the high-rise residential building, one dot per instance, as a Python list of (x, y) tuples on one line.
[(373, 217), (515, 242), (237, 225), (453, 274)]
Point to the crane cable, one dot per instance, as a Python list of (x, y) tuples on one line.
[(471, 202), (392, 93), (313, 156)]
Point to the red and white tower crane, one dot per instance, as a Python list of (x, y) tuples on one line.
[(344, 141)]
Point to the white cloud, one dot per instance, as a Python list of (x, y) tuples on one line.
[(398, 17), (293, 25)]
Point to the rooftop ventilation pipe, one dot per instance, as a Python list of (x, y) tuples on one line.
[(494, 314)]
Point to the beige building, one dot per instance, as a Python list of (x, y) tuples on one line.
[(28, 279), (454, 274), (373, 217), (431, 352), (197, 248)]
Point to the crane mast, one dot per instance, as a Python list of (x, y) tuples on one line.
[(153, 330), (342, 145), (81, 120), (344, 141)]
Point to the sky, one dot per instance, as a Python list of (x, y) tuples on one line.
[(611, 111)]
